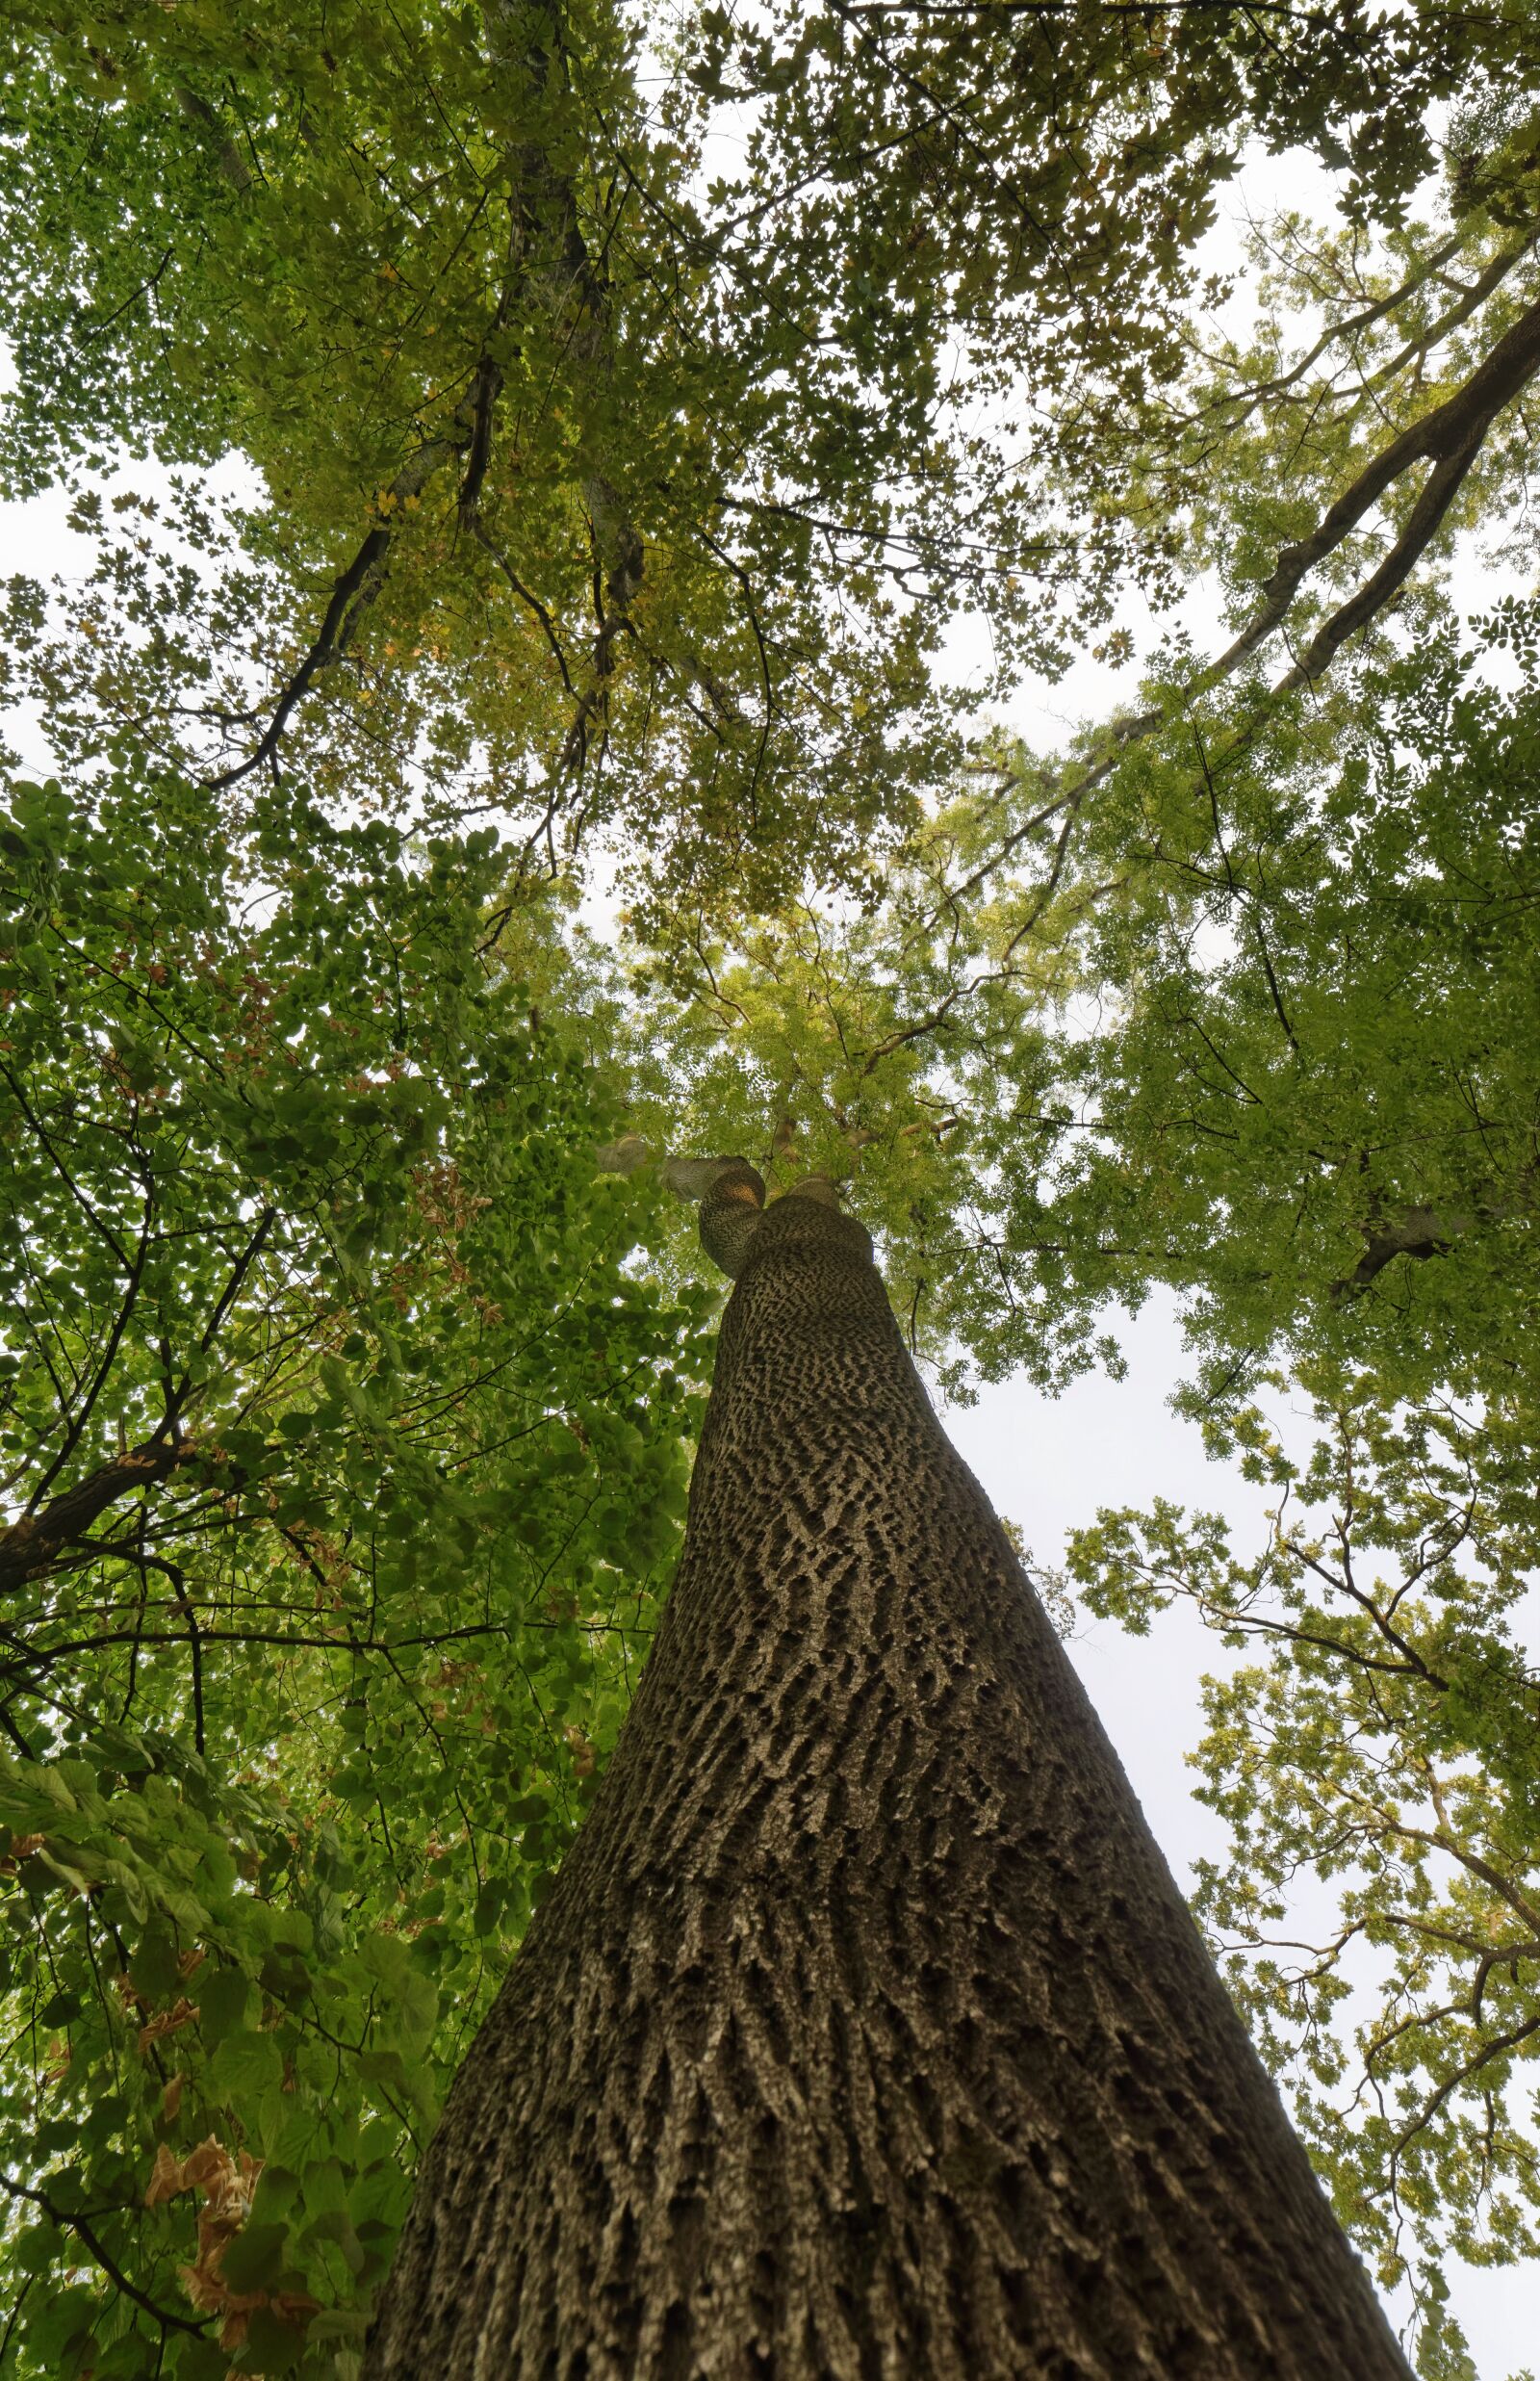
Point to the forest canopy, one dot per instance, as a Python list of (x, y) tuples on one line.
[(536, 463)]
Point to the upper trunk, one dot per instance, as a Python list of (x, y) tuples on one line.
[(865, 2033)]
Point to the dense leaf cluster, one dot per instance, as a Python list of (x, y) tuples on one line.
[(349, 1453)]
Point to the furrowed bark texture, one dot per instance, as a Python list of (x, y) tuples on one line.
[(865, 2033)]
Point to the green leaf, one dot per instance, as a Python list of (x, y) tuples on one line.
[(224, 1996), (255, 2258), (246, 2064), (153, 1970)]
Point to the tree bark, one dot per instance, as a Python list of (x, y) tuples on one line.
[(35, 1541), (865, 2033)]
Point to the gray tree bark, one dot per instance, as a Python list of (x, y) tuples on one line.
[(864, 2033)]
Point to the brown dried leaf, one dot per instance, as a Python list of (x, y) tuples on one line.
[(182, 2014), (166, 2178)]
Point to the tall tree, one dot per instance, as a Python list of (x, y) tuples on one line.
[(1265, 1032), (600, 494), (864, 2028)]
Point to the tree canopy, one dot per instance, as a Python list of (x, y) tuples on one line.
[(625, 412)]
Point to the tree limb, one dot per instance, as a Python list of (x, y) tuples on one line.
[(1450, 436), (114, 2273), (352, 592), (730, 1192), (227, 156), (32, 1543)]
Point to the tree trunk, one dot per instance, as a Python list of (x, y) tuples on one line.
[(865, 2033)]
